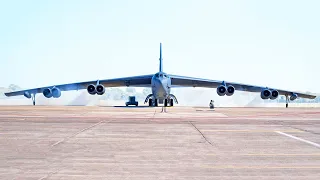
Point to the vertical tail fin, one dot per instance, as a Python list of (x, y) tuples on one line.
[(160, 66)]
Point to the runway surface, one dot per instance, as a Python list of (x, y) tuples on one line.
[(59, 142)]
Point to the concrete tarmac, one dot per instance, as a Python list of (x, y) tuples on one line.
[(65, 142)]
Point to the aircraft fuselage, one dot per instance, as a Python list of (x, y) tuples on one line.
[(161, 85)]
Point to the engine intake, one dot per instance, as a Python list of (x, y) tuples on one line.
[(92, 89), (293, 97), (221, 90), (274, 94), (230, 90), (56, 92), (265, 94), (100, 89), (47, 93)]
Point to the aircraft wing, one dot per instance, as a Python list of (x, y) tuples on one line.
[(182, 81), (134, 81)]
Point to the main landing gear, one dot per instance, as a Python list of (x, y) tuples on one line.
[(287, 101), (166, 102), (156, 103), (153, 103)]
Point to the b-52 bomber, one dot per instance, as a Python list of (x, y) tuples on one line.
[(161, 83)]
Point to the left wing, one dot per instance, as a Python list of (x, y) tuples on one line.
[(177, 81), (134, 81)]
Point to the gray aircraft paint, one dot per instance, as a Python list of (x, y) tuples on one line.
[(161, 82)]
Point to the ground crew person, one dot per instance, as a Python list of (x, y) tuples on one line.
[(211, 104)]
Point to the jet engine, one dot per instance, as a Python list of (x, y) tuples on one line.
[(230, 90), (274, 94), (265, 94), (293, 97), (27, 94), (221, 90), (100, 89), (56, 92), (92, 89), (47, 93)]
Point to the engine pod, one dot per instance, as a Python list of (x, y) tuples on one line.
[(100, 89), (221, 90), (265, 94), (56, 92), (230, 90), (293, 97), (274, 94), (27, 94), (47, 93), (92, 89)]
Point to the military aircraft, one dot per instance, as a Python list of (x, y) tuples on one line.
[(161, 84)]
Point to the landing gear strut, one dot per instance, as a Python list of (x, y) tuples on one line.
[(287, 101), (33, 97)]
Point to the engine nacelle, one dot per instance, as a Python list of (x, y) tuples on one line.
[(230, 90), (27, 94), (265, 94), (274, 94), (47, 93), (92, 89), (100, 89), (221, 90), (56, 92), (293, 97)]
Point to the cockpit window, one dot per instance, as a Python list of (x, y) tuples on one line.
[(157, 75), (165, 75), (161, 75)]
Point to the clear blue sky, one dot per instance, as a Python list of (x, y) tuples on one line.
[(270, 43)]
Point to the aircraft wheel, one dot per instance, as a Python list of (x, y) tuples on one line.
[(171, 102), (150, 102), (156, 102), (165, 102)]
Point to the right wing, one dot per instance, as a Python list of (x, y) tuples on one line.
[(134, 81), (183, 81)]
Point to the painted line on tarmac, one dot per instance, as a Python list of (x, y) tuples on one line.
[(264, 154), (247, 130), (299, 139), (259, 167)]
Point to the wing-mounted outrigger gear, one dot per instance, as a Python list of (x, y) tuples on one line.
[(287, 100), (33, 97), (173, 97), (148, 97)]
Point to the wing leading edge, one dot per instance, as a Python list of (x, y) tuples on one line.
[(134, 81), (183, 81)]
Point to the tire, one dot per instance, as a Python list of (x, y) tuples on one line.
[(171, 102), (150, 102), (156, 102), (165, 102)]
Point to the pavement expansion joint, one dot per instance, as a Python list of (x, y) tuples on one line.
[(73, 135), (201, 133)]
